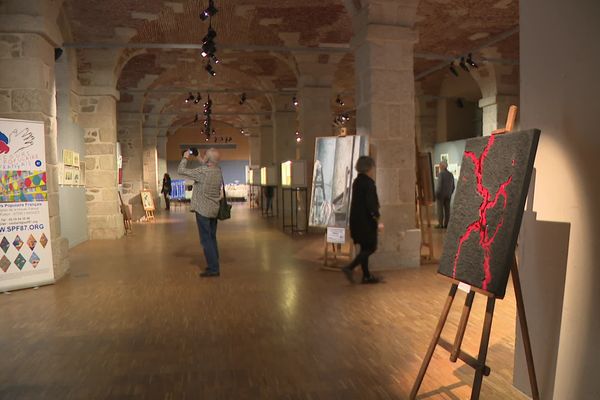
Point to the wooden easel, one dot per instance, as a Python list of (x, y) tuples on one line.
[(333, 252), (478, 364), (424, 200), (127, 219)]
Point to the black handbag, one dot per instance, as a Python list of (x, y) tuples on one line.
[(224, 207)]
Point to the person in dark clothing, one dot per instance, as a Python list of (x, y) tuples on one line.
[(444, 194), (364, 219), (166, 191), (269, 193)]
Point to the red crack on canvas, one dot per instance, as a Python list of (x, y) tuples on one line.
[(489, 201)]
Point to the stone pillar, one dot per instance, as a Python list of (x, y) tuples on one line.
[(254, 144), (150, 164), (27, 91), (285, 126), (98, 117), (315, 118), (426, 122), (161, 154), (495, 111), (267, 149), (386, 112), (130, 137)]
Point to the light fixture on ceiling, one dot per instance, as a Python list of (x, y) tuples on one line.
[(339, 100), (295, 101), (453, 69), (209, 68), (463, 64), (198, 98), (460, 103), (209, 11), (242, 98), (471, 62), (190, 98)]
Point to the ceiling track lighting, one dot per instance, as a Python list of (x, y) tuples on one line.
[(209, 11), (339, 101), (242, 98), (198, 98), (453, 69), (190, 98), (471, 62), (295, 102), (463, 64), (209, 68)]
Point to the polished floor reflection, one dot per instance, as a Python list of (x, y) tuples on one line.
[(134, 321)]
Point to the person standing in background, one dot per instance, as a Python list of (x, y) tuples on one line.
[(206, 195), (364, 219), (443, 195), (166, 191)]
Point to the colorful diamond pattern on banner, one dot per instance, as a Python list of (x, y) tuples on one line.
[(43, 240), (4, 263), (31, 242), (18, 243), (4, 244), (23, 186), (34, 260), (20, 261)]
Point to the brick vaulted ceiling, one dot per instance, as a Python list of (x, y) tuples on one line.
[(446, 28)]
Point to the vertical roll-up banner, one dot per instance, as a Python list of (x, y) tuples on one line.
[(25, 247)]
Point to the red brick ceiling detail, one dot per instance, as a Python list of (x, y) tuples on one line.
[(137, 68)]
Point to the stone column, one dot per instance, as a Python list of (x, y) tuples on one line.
[(315, 118), (130, 137), (386, 112), (27, 91), (150, 164), (254, 144), (285, 126), (161, 154), (267, 150), (426, 122), (495, 111), (98, 118)]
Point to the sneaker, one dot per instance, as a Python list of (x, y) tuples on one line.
[(208, 274), (349, 274), (370, 280)]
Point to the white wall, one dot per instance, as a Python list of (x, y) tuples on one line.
[(560, 94), (73, 209)]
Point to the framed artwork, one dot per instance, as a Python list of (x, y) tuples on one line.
[(147, 200), (68, 179), (436, 167), (333, 174), (76, 176), (488, 208), (82, 173), (445, 157), (75, 159), (67, 157)]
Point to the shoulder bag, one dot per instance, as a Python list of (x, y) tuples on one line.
[(224, 207)]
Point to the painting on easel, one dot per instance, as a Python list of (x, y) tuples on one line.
[(488, 208)]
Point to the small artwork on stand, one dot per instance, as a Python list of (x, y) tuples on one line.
[(488, 208), (333, 174), (445, 157)]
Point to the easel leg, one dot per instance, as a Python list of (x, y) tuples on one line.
[(434, 341), (524, 331), (462, 326), (483, 348)]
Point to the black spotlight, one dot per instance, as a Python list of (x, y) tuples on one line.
[(453, 69), (196, 118), (210, 11), (339, 100), (198, 98), (295, 101), (57, 53), (209, 49), (471, 62), (242, 98), (210, 35), (209, 68), (463, 64), (190, 98), (460, 103)]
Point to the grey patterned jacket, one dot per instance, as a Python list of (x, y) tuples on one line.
[(207, 187)]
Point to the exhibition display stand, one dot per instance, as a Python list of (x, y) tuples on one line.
[(293, 181), (494, 287), (269, 196)]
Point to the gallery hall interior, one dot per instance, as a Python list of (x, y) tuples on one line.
[(299, 200)]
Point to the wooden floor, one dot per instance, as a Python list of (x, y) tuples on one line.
[(134, 321)]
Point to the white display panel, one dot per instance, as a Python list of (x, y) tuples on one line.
[(26, 251), (293, 173), (268, 176)]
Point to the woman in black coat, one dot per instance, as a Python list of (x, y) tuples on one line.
[(166, 191), (364, 219)]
